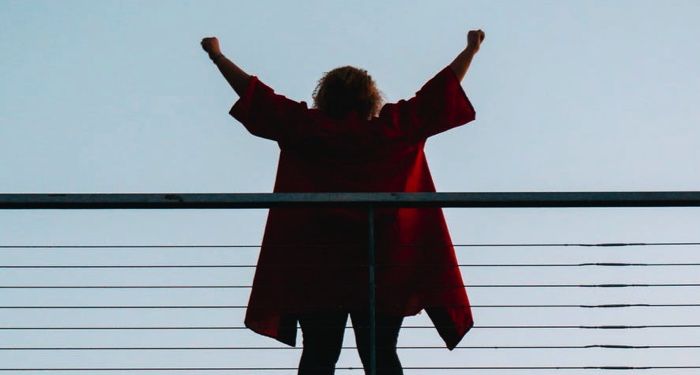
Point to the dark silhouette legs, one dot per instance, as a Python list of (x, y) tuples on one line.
[(387, 335), (323, 338)]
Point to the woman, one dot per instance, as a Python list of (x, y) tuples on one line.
[(312, 267)]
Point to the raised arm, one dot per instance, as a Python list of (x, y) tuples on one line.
[(441, 104), (235, 76), (461, 63)]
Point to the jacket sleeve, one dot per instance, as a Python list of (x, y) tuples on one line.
[(439, 105), (267, 114)]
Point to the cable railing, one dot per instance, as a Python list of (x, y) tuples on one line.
[(686, 293)]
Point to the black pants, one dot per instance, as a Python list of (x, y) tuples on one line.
[(323, 339)]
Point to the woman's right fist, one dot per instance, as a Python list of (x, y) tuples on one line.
[(211, 46), (474, 39)]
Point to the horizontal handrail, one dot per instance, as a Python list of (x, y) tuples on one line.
[(222, 328), (289, 369), (519, 306), (249, 246), (379, 199), (414, 347)]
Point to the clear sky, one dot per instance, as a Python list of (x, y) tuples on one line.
[(117, 96)]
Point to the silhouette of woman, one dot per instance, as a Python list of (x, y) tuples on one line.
[(312, 267)]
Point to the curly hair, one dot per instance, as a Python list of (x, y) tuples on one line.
[(347, 89)]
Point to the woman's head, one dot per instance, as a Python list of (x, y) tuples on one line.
[(347, 89)]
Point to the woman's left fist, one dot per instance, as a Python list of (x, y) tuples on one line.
[(211, 46)]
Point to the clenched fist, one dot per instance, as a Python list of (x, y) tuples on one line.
[(474, 39), (211, 46)]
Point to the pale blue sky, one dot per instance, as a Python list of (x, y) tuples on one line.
[(117, 96)]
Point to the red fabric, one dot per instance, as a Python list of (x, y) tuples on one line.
[(315, 259)]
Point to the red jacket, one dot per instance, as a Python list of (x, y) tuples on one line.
[(315, 259)]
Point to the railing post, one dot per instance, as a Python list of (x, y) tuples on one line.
[(372, 296)]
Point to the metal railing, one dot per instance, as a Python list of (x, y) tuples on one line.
[(370, 202)]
